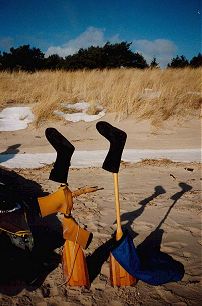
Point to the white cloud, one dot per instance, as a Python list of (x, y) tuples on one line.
[(162, 49), (6, 43), (115, 39), (91, 37)]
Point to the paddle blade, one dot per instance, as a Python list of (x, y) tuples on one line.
[(118, 275), (117, 139), (74, 265)]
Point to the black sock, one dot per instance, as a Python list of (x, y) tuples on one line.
[(64, 150), (117, 139)]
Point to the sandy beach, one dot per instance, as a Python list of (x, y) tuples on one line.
[(172, 134), (160, 203)]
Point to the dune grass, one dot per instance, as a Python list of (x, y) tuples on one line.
[(146, 94)]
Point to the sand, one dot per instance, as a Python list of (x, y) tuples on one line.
[(84, 136), (160, 201)]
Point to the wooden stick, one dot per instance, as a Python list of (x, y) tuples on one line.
[(119, 232), (84, 190)]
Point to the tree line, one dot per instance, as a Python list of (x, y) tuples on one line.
[(116, 55)]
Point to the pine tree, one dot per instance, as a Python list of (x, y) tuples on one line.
[(154, 63), (196, 61), (179, 62)]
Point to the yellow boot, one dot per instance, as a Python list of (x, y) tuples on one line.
[(73, 232), (59, 201)]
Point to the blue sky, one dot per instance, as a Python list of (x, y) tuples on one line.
[(160, 28)]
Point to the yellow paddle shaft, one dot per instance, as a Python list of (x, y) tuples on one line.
[(119, 232)]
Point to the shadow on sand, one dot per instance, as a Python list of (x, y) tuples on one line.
[(150, 247), (10, 152), (149, 250)]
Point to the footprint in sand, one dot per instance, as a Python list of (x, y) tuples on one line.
[(101, 224), (195, 231), (101, 235), (187, 254), (176, 244), (142, 226), (92, 225)]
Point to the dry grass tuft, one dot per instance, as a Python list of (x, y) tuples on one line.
[(155, 94)]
